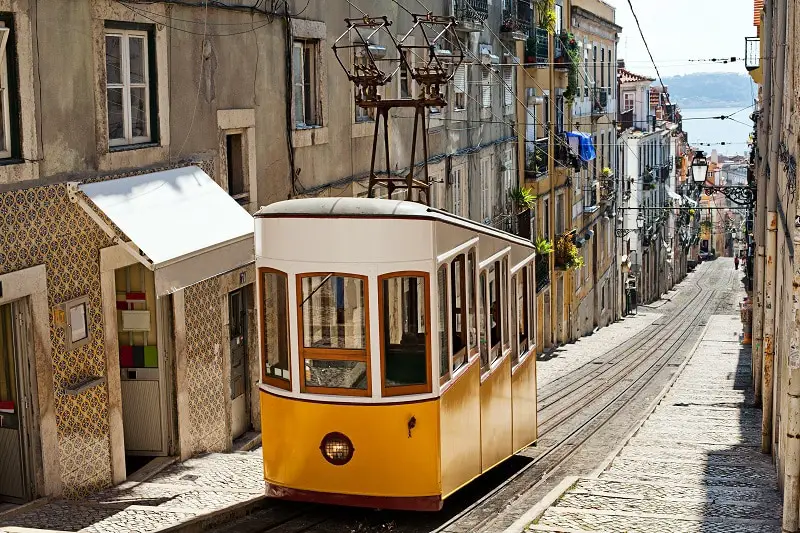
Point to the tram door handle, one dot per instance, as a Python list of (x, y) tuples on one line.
[(412, 423)]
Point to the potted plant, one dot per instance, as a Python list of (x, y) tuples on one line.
[(523, 198), (606, 173), (567, 256), (545, 9), (543, 246), (571, 58)]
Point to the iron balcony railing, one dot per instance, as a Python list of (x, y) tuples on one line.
[(599, 101), (590, 199), (517, 17), (536, 158), (752, 53), (536, 47), (542, 272), (474, 11)]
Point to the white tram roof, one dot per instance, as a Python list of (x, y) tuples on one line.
[(377, 208)]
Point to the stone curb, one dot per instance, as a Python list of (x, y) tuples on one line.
[(215, 518), (538, 510)]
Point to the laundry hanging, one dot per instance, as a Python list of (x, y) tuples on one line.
[(585, 150)]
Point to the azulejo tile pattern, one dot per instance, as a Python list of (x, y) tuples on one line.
[(41, 226), (204, 366)]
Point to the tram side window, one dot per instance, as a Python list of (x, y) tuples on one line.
[(333, 313), (514, 351), (444, 351), (523, 293), (275, 328), (458, 311), (484, 327), (404, 334), (495, 310), (472, 299), (504, 303)]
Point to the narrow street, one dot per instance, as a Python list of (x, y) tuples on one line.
[(591, 395)]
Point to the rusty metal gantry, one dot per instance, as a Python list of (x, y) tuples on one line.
[(436, 65)]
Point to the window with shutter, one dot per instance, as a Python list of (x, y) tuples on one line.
[(486, 89), (508, 83), (460, 87), (486, 212)]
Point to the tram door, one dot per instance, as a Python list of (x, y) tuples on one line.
[(14, 405), (238, 304)]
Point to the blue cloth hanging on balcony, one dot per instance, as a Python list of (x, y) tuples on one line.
[(585, 145)]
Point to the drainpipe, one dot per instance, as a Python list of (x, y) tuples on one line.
[(772, 230), (761, 226)]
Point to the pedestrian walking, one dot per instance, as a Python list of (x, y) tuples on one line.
[(736, 262)]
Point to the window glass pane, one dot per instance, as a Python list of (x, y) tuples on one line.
[(472, 314), (495, 326), (276, 325), (404, 335), (3, 111), (503, 279), (484, 307), (8, 376), (138, 61), (333, 312), (522, 310), (459, 312), (336, 374), (138, 112), (444, 355), (113, 59), (116, 127), (514, 310), (297, 80)]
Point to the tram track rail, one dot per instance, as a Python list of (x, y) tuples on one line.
[(627, 370)]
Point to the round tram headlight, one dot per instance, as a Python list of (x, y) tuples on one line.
[(337, 449)]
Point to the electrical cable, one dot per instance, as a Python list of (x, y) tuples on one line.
[(647, 47)]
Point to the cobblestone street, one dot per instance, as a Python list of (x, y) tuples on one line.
[(694, 465)]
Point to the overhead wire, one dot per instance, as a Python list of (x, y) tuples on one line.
[(199, 82)]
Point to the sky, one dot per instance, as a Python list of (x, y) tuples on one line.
[(679, 30)]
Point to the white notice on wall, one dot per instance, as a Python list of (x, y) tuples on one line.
[(77, 320)]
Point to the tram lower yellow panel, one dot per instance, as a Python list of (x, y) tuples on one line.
[(386, 461), (523, 402), (496, 416), (461, 430)]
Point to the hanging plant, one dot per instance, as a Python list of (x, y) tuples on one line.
[(543, 246), (545, 10), (572, 58), (607, 172), (706, 226), (567, 256), (523, 198)]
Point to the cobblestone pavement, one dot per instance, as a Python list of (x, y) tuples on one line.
[(695, 464), (177, 494)]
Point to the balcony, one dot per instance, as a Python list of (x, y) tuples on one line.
[(626, 119), (664, 172), (517, 17), (606, 190), (590, 199), (648, 179), (536, 158), (536, 47), (752, 53), (599, 101), (471, 14), (542, 272)]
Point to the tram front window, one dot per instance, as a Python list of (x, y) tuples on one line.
[(275, 327), (404, 334)]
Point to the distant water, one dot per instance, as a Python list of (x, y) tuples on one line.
[(716, 131)]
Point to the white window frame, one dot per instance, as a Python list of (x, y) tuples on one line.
[(486, 189), (411, 58), (360, 114), (508, 87), (509, 172), (313, 46), (126, 86), (5, 149), (628, 97), (456, 191)]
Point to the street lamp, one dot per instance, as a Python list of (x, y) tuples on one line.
[(699, 168)]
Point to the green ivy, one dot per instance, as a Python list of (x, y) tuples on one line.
[(570, 47)]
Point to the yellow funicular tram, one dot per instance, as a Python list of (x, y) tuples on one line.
[(397, 344)]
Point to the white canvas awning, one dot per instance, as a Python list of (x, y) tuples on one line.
[(186, 226)]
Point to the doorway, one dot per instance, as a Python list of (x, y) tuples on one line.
[(238, 306), (142, 370), (15, 407)]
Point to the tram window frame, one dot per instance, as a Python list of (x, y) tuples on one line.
[(513, 300), (523, 316), (506, 329), (272, 380), (459, 357), (405, 390), (357, 355), (444, 324), (483, 314), (532, 304), (495, 349), (472, 304)]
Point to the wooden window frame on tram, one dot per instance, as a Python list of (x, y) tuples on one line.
[(285, 384), (502, 258), (333, 354), (405, 390), (515, 272)]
